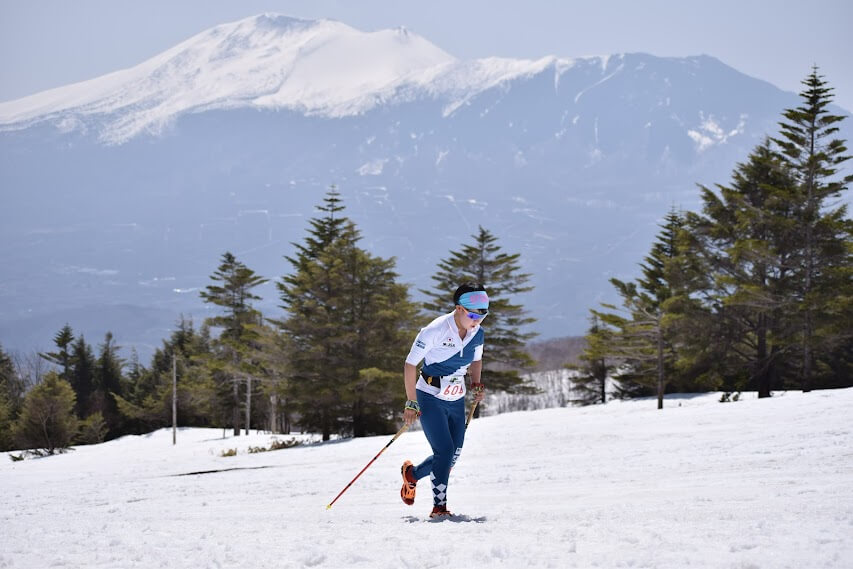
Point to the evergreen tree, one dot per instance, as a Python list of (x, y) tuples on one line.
[(6, 421), (700, 336), (108, 385), (596, 365), (12, 385), (147, 403), (93, 429), (234, 294), (47, 423), (745, 240), (11, 397), (824, 234), (82, 376), (484, 263), (273, 363), (134, 374), (644, 341), (325, 229), (345, 313), (62, 356)]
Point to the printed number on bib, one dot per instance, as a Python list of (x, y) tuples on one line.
[(452, 388)]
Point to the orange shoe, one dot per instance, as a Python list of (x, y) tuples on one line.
[(407, 492), (440, 512)]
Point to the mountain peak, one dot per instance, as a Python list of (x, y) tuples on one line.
[(268, 60), (279, 21)]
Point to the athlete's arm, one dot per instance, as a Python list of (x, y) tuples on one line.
[(410, 377), (475, 369)]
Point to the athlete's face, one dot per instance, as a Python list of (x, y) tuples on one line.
[(469, 318)]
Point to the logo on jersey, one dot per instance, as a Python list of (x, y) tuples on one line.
[(420, 344), (448, 343)]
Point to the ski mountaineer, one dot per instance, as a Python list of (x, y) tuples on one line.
[(449, 346)]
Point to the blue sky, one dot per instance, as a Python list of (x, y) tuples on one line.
[(49, 43)]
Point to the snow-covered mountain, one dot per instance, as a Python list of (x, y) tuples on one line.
[(120, 193), (265, 62), (272, 62)]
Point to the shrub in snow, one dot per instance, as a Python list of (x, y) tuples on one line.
[(275, 445), (47, 423), (93, 429)]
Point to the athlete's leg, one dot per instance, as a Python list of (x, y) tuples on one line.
[(456, 425), (435, 423)]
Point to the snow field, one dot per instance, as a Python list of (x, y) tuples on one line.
[(750, 484)]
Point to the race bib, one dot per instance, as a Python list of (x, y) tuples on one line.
[(452, 388)]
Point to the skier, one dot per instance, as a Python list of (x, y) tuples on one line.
[(449, 346)]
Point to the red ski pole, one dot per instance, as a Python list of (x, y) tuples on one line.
[(400, 432)]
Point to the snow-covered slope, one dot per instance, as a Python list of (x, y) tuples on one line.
[(752, 484), (268, 61)]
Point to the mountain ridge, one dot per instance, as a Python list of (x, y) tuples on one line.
[(571, 162), (259, 62)]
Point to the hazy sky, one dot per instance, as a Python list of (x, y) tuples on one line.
[(49, 43)]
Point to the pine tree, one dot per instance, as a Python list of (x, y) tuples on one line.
[(136, 388), (82, 376), (345, 313), (271, 354), (62, 357), (484, 263), (235, 296), (824, 234), (108, 385), (596, 365), (11, 397), (643, 340), (325, 229), (12, 385), (6, 422), (134, 374), (745, 239), (47, 423), (147, 403)]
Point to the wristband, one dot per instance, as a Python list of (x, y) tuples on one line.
[(413, 406), (478, 387)]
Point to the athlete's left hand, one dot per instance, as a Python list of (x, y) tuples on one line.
[(479, 391)]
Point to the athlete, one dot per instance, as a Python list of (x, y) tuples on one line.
[(449, 346)]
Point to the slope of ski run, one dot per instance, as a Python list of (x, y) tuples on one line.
[(751, 484)]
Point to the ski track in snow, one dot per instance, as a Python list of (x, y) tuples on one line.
[(751, 484)]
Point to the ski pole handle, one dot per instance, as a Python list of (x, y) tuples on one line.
[(400, 432), (471, 413)]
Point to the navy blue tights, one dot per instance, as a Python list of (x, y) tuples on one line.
[(443, 423)]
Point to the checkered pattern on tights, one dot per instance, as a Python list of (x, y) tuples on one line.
[(439, 492)]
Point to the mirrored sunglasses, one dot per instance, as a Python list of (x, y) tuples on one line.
[(477, 313)]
